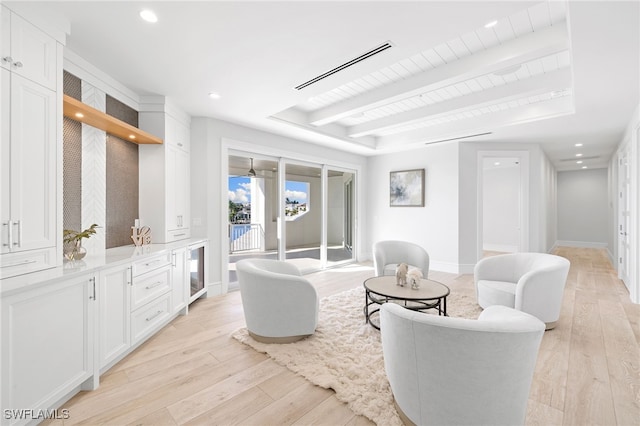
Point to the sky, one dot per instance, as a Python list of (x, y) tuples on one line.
[(240, 190)]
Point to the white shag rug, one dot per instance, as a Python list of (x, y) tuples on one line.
[(345, 353)]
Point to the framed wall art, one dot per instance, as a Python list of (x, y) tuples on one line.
[(406, 188)]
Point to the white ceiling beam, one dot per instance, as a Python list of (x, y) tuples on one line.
[(531, 46), (334, 132), (480, 124), (543, 83)]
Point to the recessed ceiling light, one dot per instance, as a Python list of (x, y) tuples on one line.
[(584, 167), (579, 162), (79, 114), (214, 95), (148, 15), (490, 24), (578, 155), (132, 136), (578, 144), (497, 163)]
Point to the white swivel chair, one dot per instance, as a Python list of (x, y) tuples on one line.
[(280, 305), (455, 371), (388, 254), (529, 282)]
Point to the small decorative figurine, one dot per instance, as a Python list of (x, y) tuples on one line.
[(413, 278), (401, 274)]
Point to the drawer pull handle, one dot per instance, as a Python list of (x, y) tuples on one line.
[(152, 263), (179, 235), (24, 262), (154, 316), (156, 284)]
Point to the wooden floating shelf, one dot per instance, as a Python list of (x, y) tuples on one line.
[(78, 111)]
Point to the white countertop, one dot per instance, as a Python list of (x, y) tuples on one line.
[(92, 263)]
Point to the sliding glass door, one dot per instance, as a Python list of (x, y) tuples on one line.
[(284, 209), (303, 212), (340, 216)]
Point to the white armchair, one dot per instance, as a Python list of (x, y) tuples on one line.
[(529, 282), (280, 305), (387, 255), (455, 371)]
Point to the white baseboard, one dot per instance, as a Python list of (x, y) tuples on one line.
[(505, 248), (215, 289), (582, 244), (612, 259)]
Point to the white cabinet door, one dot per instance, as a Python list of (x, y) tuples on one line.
[(33, 165), (114, 305), (180, 294), (47, 346), (33, 53), (177, 189), (5, 38), (5, 160), (165, 178)]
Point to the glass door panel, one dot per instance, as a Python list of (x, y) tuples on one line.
[(303, 209), (253, 209), (340, 217)]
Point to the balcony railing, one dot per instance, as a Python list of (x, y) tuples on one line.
[(244, 237)]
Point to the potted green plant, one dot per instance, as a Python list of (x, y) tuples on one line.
[(73, 242)]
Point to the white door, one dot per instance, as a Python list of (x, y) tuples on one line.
[(5, 161), (177, 187), (624, 182), (115, 311), (33, 165)]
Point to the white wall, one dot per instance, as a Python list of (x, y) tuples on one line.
[(583, 208), (501, 209), (210, 141), (434, 226), (549, 200)]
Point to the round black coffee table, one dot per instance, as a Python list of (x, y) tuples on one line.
[(378, 290)]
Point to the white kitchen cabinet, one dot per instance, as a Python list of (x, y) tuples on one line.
[(27, 51), (30, 144), (178, 191), (31, 140), (164, 180), (178, 134), (114, 313), (180, 280), (150, 296), (47, 343)]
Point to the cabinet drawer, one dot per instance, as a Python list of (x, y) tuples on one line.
[(148, 318), (149, 286), (151, 263), (178, 234), (14, 264)]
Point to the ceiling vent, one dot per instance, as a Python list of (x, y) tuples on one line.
[(354, 61), (458, 138), (580, 158)]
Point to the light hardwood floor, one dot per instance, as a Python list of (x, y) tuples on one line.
[(193, 372)]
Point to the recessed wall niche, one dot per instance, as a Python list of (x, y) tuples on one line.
[(121, 180)]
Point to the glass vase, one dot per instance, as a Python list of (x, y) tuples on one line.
[(75, 251)]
